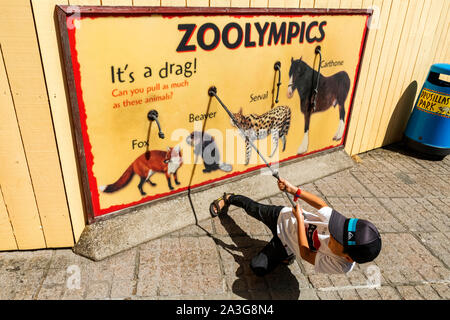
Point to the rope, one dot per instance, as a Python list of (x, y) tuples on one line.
[(213, 92), (316, 89)]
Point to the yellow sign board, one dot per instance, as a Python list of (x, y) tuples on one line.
[(139, 74)]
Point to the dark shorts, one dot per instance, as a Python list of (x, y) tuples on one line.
[(274, 252)]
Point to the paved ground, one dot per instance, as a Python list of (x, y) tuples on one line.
[(408, 198)]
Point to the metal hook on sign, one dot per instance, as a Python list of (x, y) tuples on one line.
[(277, 68), (212, 92), (152, 115), (317, 51)]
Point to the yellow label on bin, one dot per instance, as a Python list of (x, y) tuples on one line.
[(434, 102)]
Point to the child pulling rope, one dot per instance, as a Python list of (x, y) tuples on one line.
[(328, 240)]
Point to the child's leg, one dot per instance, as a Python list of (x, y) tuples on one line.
[(269, 257), (267, 214)]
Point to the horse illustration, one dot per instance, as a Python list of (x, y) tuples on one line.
[(332, 91)]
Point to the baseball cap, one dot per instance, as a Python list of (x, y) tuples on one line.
[(360, 238)]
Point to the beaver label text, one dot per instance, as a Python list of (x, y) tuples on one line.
[(201, 116)]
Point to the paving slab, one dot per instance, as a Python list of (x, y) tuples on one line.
[(111, 236), (406, 197)]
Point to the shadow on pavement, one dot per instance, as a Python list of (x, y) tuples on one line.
[(280, 284), (401, 148), (400, 115)]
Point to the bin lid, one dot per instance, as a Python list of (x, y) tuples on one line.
[(441, 68)]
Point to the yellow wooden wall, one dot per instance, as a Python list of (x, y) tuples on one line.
[(40, 196), (412, 35), (33, 210)]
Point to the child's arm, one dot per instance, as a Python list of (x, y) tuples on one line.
[(305, 252), (309, 198)]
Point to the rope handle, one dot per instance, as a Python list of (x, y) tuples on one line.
[(277, 68), (317, 51), (152, 115), (212, 92)]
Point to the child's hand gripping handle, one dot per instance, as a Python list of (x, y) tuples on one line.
[(287, 188)]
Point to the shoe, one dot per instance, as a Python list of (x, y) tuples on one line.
[(215, 204)]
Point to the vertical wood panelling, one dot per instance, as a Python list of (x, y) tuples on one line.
[(306, 3), (358, 4), (85, 2), (152, 3), (359, 109), (333, 4), (205, 3), (345, 4), (413, 48), (374, 67), (445, 56), (219, 3), (388, 57), (291, 3), (384, 46), (423, 61), (7, 239), (320, 3), (18, 211), (284, 3), (236, 3), (402, 63), (15, 180), (177, 3), (117, 2), (47, 36), (377, 123), (276, 4), (259, 3), (443, 41), (395, 90), (25, 74)]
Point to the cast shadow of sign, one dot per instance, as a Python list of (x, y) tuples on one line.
[(281, 284)]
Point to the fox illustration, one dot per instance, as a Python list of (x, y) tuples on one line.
[(146, 165)]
